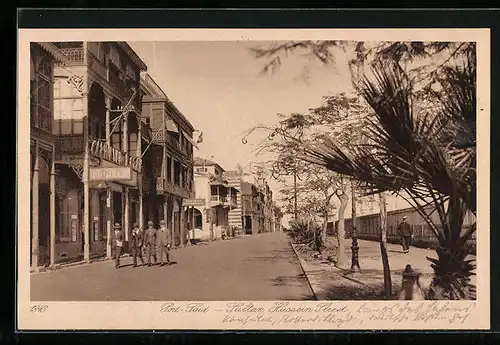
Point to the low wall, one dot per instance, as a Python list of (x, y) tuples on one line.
[(419, 242)]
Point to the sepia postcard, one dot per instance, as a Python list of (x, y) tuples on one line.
[(253, 179)]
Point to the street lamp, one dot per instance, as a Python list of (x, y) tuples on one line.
[(354, 247)]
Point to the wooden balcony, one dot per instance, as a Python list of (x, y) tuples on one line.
[(164, 186), (70, 144), (74, 56), (216, 200), (232, 202), (146, 131)]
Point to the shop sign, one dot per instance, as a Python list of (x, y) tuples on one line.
[(110, 174), (193, 202)]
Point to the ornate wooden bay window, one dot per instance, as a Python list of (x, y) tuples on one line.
[(41, 93)]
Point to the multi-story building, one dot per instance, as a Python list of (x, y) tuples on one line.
[(234, 179), (251, 209), (42, 153), (100, 135), (214, 198), (168, 161)]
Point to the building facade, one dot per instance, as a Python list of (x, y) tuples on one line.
[(168, 161), (251, 210), (97, 122), (214, 199), (43, 57), (235, 180)]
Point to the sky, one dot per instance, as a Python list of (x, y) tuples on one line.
[(217, 86)]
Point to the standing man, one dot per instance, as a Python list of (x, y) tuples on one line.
[(136, 243), (406, 232), (116, 243), (163, 243), (150, 242)]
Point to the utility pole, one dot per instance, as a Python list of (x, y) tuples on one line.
[(295, 189)]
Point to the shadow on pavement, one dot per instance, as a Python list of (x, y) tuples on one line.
[(289, 280), (301, 298)]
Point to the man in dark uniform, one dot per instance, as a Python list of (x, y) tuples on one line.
[(150, 242), (136, 243), (406, 232), (116, 243), (163, 243)]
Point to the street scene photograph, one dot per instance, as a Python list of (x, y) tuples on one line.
[(253, 170)]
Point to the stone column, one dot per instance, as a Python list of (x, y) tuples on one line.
[(172, 175), (126, 212), (165, 217), (109, 193), (109, 221), (86, 188), (192, 224), (35, 209), (53, 210), (182, 225), (139, 175), (126, 190)]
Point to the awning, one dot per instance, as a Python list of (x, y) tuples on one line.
[(188, 137), (53, 50), (172, 126)]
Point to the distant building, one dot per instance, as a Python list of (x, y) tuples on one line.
[(214, 198), (168, 162), (234, 179)]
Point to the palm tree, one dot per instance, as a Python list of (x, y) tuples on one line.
[(428, 152)]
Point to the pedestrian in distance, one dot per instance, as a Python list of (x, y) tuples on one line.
[(116, 243), (136, 243), (406, 232), (150, 242), (163, 243)]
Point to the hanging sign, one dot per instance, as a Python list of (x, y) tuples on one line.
[(193, 202), (110, 173)]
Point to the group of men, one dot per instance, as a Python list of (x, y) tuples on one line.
[(153, 240)]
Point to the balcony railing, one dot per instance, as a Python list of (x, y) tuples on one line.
[(74, 56), (218, 199), (164, 186), (100, 149), (70, 144), (174, 142)]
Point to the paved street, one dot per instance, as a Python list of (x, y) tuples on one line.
[(258, 267)]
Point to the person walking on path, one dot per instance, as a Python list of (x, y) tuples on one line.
[(406, 232), (116, 243), (163, 243), (150, 242), (137, 242)]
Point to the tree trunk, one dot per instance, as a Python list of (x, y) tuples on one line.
[(452, 273), (344, 199), (383, 247), (325, 228)]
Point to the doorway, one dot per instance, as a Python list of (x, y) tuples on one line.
[(117, 208)]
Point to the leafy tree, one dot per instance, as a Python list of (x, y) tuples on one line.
[(422, 140)]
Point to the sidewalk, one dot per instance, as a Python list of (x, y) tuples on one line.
[(331, 283), (101, 259)]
